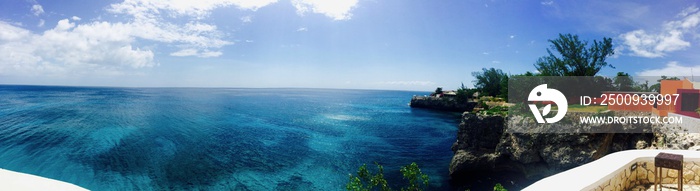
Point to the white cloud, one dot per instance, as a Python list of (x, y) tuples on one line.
[(151, 18), (96, 48), (688, 11), (302, 29), (547, 3), (176, 8), (338, 10), (194, 52), (113, 48), (669, 39), (247, 19), (12, 33), (512, 36), (207, 54), (64, 25), (41, 23), (37, 9), (185, 52), (672, 68)]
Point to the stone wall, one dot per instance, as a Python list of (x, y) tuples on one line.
[(622, 171), (626, 178)]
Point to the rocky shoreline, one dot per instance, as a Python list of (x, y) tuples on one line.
[(484, 146), (442, 104)]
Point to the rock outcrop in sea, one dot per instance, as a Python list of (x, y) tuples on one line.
[(484, 145), (441, 103)]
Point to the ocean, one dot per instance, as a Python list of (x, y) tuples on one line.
[(218, 138)]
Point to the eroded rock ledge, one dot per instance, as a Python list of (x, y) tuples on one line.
[(443, 104), (484, 146)]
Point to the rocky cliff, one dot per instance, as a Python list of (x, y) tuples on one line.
[(444, 104), (484, 146)]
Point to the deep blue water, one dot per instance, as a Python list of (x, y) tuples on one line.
[(218, 139)]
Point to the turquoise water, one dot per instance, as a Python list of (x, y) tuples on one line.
[(218, 139)]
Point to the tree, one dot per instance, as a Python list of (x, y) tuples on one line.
[(438, 91), (643, 87), (365, 180), (464, 94), (599, 84), (575, 59), (416, 179), (499, 187), (657, 87), (624, 82), (492, 82)]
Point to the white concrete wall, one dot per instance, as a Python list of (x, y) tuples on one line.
[(10, 180)]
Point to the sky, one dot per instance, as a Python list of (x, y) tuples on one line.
[(347, 44)]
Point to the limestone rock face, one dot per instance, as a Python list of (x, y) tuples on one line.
[(465, 161), (483, 133), (484, 145), (683, 141)]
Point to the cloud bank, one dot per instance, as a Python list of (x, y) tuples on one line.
[(98, 47), (671, 37), (673, 68), (338, 10)]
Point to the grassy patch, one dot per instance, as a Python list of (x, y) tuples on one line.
[(589, 108)]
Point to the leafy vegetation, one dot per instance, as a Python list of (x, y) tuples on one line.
[(575, 59), (497, 110), (499, 187), (623, 82), (366, 180), (657, 87), (464, 94), (438, 91), (587, 108), (491, 82), (416, 179)]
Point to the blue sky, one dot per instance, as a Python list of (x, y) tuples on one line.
[(357, 44)]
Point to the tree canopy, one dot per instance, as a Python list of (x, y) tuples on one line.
[(657, 87), (492, 82), (464, 94), (624, 82), (575, 58)]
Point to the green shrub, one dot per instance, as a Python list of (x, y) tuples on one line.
[(499, 187), (415, 177), (496, 110), (365, 180), (483, 104)]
